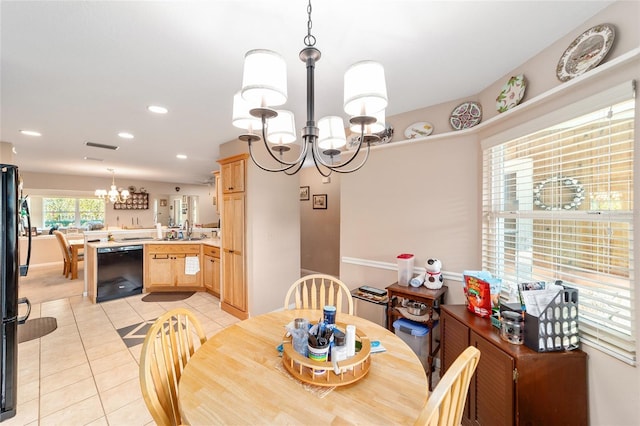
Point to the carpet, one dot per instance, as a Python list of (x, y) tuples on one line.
[(36, 328), (167, 296)]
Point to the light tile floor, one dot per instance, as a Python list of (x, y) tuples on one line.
[(84, 373)]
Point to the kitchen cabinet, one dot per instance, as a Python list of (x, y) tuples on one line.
[(514, 385), (233, 298), (165, 267), (233, 175), (211, 269)]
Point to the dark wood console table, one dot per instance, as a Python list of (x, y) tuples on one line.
[(514, 385), (432, 298)]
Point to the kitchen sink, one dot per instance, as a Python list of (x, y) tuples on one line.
[(177, 240)]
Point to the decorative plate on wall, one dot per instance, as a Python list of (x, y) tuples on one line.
[(585, 52), (511, 94), (385, 137), (418, 130), (466, 115)]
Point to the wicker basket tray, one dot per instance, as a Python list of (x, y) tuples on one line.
[(309, 371)]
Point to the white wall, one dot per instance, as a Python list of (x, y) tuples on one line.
[(272, 219), (423, 197), (320, 228)]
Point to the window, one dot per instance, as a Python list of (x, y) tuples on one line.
[(558, 205), (73, 212)]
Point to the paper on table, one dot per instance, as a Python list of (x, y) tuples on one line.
[(535, 301), (191, 265)]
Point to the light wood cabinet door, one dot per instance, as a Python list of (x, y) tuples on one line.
[(233, 177), (233, 223), (182, 279), (160, 271), (211, 274), (234, 293)]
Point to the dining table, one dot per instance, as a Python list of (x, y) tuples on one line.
[(237, 377), (75, 246)]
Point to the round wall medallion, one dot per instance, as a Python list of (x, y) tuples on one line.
[(570, 193)]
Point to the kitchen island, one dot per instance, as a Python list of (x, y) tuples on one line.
[(167, 265)]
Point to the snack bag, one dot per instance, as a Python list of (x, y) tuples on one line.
[(482, 292)]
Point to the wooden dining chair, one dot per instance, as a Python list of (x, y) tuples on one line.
[(168, 346), (317, 290), (66, 253), (446, 403)]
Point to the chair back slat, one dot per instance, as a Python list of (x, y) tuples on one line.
[(446, 403), (168, 346), (316, 290)]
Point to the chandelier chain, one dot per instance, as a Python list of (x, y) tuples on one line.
[(309, 39)]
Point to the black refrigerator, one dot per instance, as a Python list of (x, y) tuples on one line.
[(13, 209)]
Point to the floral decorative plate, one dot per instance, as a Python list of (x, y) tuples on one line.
[(418, 130), (585, 52), (465, 115), (385, 137), (511, 94)]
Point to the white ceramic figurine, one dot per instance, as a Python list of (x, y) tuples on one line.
[(433, 277)]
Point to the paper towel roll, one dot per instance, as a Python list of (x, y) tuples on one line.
[(159, 231)]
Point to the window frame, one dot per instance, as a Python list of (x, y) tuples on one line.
[(493, 214)]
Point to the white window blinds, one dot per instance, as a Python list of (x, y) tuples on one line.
[(558, 205)]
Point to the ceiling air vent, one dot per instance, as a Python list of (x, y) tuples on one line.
[(93, 159), (103, 146)]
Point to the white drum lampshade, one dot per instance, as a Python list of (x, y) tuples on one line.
[(264, 80), (282, 129), (331, 133), (241, 116), (365, 89)]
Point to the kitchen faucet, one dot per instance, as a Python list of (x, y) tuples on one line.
[(187, 227)]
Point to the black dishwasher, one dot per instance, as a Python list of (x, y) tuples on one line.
[(119, 272)]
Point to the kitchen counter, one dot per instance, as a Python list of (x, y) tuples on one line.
[(215, 242), (126, 239)]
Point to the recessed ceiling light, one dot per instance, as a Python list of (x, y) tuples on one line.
[(125, 135), (157, 109), (30, 133), (181, 156)]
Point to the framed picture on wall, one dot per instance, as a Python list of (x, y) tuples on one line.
[(304, 193), (163, 202), (320, 201)]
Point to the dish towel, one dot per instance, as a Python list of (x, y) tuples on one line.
[(191, 265)]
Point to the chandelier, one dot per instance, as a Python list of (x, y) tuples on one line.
[(264, 86), (113, 194)]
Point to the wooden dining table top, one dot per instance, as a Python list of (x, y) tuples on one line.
[(236, 378)]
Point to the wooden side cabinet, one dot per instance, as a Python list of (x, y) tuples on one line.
[(211, 269), (514, 385)]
